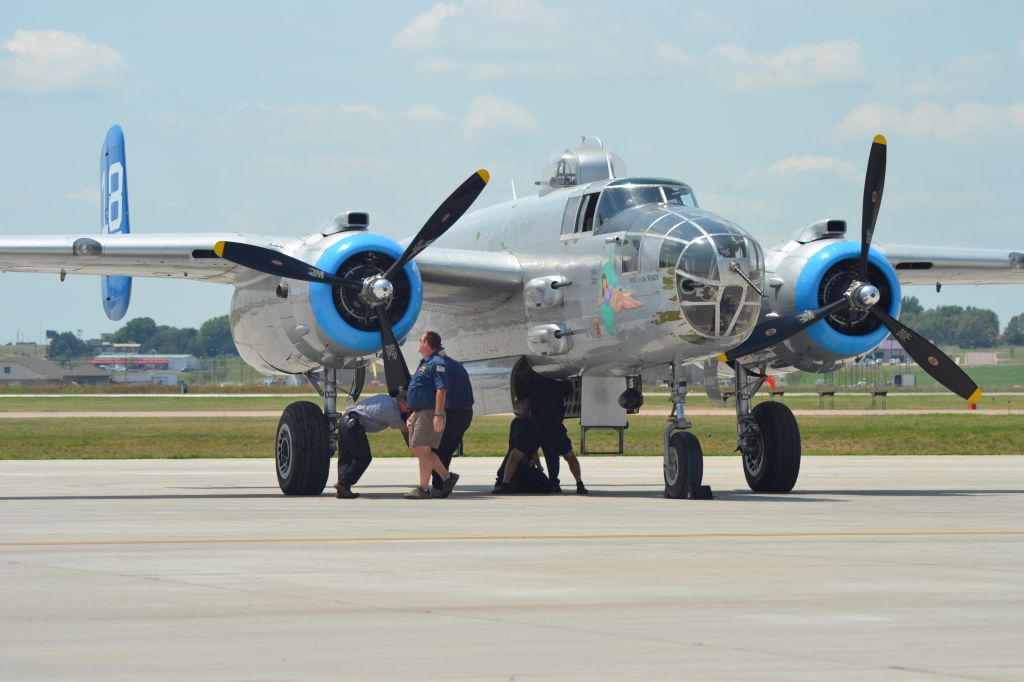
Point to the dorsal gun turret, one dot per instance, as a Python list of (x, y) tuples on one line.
[(587, 163)]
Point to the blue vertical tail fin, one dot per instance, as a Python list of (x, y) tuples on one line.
[(117, 289)]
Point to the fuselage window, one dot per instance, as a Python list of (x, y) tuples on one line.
[(585, 223), (670, 252), (679, 196), (731, 246), (572, 209), (617, 198), (631, 254)]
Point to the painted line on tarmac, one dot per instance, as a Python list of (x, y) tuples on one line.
[(183, 414), (504, 538)]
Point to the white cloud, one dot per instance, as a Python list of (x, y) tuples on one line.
[(479, 70), (354, 123), (423, 32), (977, 66), (173, 120), (55, 61), (803, 66), (489, 40), (1016, 114), (966, 119), (796, 165), (743, 209), (930, 87), (90, 196), (427, 114), (674, 55), (489, 115), (362, 109)]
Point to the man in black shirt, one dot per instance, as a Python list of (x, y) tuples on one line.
[(547, 401)]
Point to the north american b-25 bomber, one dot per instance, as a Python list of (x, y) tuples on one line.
[(609, 280)]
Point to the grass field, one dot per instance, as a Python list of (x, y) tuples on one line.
[(850, 400), (142, 438)]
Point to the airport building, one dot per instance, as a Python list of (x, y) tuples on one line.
[(145, 368), (20, 371)]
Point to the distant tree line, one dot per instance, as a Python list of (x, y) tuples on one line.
[(952, 325), (212, 339), (947, 325)]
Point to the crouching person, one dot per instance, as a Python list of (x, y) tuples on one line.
[(374, 414), (521, 471)]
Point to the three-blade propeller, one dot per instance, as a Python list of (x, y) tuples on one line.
[(273, 262), (863, 296)]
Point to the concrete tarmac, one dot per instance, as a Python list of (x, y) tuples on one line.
[(895, 568)]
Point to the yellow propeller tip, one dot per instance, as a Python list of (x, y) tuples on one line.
[(484, 175), (218, 249), (880, 139), (975, 397), (722, 357)]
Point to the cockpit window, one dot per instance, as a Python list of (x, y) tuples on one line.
[(621, 195), (731, 245)]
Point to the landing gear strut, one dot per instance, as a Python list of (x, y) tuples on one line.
[(307, 437), (768, 437), (684, 460)]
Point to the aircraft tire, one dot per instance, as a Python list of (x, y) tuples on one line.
[(302, 450), (771, 463), (684, 464)]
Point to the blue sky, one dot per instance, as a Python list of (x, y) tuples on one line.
[(270, 119)]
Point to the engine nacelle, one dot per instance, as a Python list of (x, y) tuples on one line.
[(805, 275), (284, 326)]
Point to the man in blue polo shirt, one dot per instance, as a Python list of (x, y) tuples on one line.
[(428, 390), (458, 415)]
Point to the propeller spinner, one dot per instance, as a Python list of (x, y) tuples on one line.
[(862, 296), (377, 290)]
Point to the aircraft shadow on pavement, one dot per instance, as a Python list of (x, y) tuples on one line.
[(484, 493)]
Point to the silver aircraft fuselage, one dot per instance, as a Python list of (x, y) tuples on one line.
[(654, 282)]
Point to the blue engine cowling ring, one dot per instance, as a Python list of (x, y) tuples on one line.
[(322, 301), (806, 298)]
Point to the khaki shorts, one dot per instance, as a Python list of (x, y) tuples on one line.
[(422, 432)]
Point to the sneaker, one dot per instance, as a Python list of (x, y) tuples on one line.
[(581, 489), (418, 493), (449, 483), (502, 488), (556, 489), (345, 492)]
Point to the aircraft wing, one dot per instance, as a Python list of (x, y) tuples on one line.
[(944, 265), (464, 280), (476, 279), (188, 256)]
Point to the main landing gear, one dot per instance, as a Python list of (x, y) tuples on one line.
[(768, 436), (307, 437), (768, 439)]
